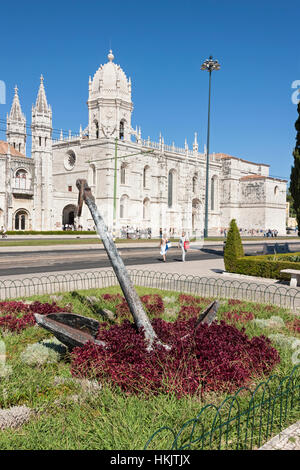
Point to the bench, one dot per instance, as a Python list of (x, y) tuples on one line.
[(276, 248), (295, 276)]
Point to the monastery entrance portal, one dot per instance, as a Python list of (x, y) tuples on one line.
[(68, 215)]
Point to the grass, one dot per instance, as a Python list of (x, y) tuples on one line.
[(67, 417), (92, 241)]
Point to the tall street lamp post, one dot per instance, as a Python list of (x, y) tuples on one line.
[(209, 65)]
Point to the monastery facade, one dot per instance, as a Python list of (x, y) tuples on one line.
[(157, 185)]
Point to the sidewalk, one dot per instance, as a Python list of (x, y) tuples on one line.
[(289, 439)]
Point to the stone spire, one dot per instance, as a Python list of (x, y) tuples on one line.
[(41, 104), (16, 125), (16, 111), (195, 144), (41, 121)]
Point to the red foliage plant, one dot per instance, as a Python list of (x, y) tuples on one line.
[(191, 300), (153, 303), (294, 325), (20, 316), (212, 358), (188, 311), (112, 297), (238, 317)]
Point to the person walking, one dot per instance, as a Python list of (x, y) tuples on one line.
[(183, 244), (163, 246), (3, 232)]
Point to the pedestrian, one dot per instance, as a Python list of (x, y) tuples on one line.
[(184, 244), (3, 232), (163, 246)]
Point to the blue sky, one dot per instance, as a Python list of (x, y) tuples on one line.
[(161, 45)]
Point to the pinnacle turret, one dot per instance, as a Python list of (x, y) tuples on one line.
[(41, 121), (41, 105), (16, 125), (16, 111)]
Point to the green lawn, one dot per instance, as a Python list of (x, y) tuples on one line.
[(67, 417), (92, 241)]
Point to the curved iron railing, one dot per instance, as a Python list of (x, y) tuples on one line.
[(281, 295), (236, 424)]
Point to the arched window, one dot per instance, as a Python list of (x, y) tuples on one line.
[(145, 177), (194, 183), (213, 193), (92, 175), (146, 209), (124, 206), (121, 131), (123, 173), (171, 188), (21, 179), (276, 191), (21, 220)]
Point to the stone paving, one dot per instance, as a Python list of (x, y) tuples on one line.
[(289, 439)]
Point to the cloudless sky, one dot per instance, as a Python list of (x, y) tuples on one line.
[(161, 45)]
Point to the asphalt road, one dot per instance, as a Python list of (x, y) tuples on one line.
[(19, 263)]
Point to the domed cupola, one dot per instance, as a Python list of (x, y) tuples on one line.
[(109, 102)]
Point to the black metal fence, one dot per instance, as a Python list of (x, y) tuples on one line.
[(281, 295), (245, 420)]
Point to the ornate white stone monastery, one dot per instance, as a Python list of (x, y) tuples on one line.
[(164, 188)]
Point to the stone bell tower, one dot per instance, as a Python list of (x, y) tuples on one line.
[(42, 154), (109, 102)]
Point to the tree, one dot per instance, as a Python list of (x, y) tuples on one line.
[(233, 248), (295, 173), (289, 199)]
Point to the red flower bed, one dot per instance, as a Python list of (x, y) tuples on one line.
[(238, 317), (20, 316), (216, 357)]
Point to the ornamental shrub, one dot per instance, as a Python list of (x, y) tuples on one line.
[(218, 357), (233, 248)]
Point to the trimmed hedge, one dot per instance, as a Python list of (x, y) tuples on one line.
[(51, 232), (266, 265)]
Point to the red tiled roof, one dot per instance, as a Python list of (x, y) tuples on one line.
[(4, 150), (225, 156), (259, 177)]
